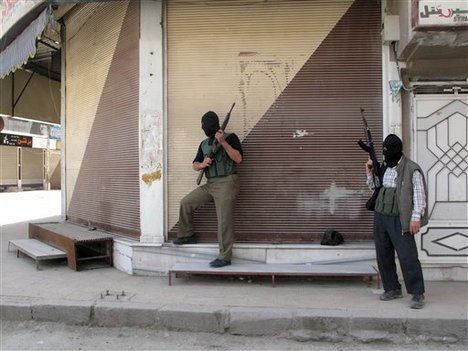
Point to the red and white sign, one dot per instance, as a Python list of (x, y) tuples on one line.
[(442, 13)]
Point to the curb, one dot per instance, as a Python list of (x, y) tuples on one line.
[(333, 325)]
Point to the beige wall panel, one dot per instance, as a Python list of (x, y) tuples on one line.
[(40, 99), (32, 166), (54, 175), (8, 165), (243, 52)]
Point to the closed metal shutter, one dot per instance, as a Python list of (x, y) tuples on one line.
[(299, 71), (54, 174), (32, 166), (8, 166), (102, 129)]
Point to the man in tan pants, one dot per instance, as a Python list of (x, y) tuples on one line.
[(222, 187)]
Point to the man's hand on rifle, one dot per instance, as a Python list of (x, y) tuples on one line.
[(220, 137), (369, 166), (198, 166), (234, 154), (207, 162)]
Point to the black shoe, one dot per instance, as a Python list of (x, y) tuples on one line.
[(219, 263), (417, 302), (391, 295), (192, 239)]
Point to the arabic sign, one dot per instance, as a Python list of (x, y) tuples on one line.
[(445, 13), (15, 140), (14, 125)]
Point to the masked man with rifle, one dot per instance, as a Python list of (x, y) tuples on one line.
[(399, 213), (217, 157)]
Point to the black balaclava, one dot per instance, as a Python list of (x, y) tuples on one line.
[(210, 123), (392, 150)]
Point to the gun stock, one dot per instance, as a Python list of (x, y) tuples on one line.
[(216, 146)]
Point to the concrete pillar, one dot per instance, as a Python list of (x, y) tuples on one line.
[(152, 125)]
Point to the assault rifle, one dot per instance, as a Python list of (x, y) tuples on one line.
[(368, 147), (216, 146)]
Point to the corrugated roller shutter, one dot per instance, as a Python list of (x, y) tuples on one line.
[(8, 165), (102, 152), (54, 174), (299, 71), (32, 166)]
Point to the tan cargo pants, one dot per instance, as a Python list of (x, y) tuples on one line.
[(223, 191)]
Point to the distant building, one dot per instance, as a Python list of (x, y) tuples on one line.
[(29, 154)]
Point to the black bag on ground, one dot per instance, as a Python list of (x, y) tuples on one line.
[(332, 238)]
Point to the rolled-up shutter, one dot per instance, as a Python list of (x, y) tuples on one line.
[(299, 71)]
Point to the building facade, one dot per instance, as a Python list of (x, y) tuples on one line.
[(138, 75), (30, 154)]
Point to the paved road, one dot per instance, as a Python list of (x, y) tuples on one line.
[(33, 336)]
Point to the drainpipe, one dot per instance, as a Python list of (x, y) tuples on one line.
[(392, 85)]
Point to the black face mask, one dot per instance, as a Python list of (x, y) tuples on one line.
[(392, 150), (210, 123)]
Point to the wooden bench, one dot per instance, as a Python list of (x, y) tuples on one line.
[(80, 244), (274, 270), (37, 250)]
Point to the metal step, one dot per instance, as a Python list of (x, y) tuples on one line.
[(273, 270), (37, 250)]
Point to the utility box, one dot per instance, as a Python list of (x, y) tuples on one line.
[(391, 29)]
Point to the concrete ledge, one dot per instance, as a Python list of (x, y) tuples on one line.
[(323, 323), (63, 311), (125, 314), (260, 321), (299, 324), (148, 259), (444, 327), (208, 319), (371, 320), (15, 309)]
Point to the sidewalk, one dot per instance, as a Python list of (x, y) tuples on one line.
[(298, 308)]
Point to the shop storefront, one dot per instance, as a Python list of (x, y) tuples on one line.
[(138, 76), (299, 72), (30, 154)]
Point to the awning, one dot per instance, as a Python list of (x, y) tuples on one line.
[(17, 53)]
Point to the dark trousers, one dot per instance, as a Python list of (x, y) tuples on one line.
[(389, 238)]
